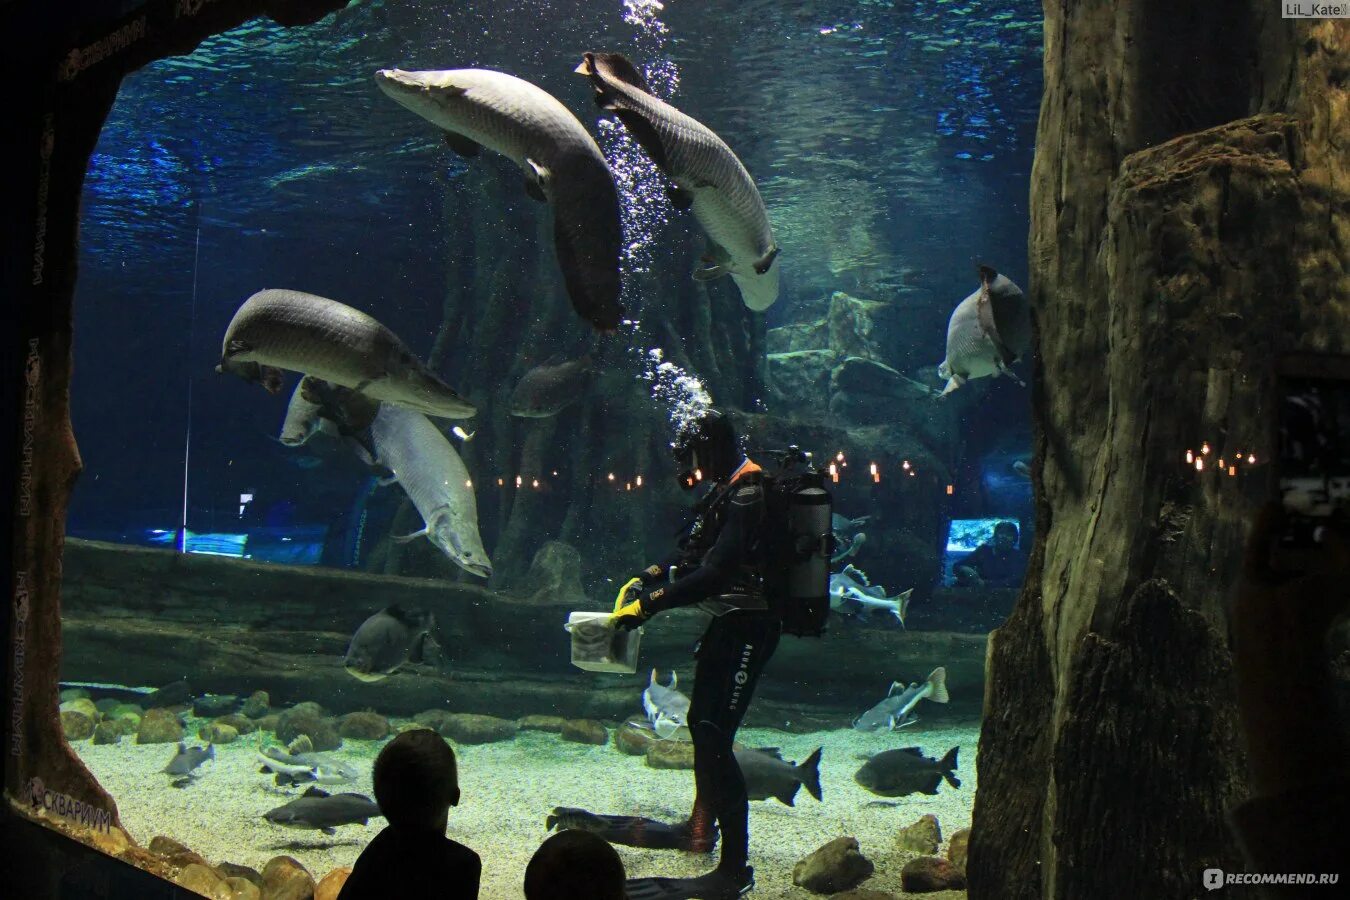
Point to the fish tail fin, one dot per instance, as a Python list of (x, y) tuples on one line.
[(939, 682), (810, 771), (947, 767), (902, 606), (788, 795), (612, 67), (211, 751)]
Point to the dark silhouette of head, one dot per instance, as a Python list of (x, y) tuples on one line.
[(1005, 535), (706, 448), (575, 865), (417, 780)]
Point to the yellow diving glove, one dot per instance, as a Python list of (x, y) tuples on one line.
[(628, 614)]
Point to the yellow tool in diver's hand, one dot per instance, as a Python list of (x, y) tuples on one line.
[(628, 613), (622, 599)]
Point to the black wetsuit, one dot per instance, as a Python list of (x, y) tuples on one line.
[(732, 653)]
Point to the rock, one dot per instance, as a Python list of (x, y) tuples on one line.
[(285, 879), (82, 705), (267, 722), (209, 706), (242, 889), (331, 884), (310, 706), (432, 718), (76, 725), (217, 733), (73, 694), (802, 336), (670, 754), (303, 719), (554, 577), (585, 731), (257, 705), (923, 836), (853, 326), (862, 894), (413, 726), (240, 723), (234, 870), (837, 866), (126, 722), (176, 853), (364, 726), (104, 732), (552, 724), (106, 705), (202, 879), (471, 728), (113, 842), (931, 873), (159, 726), (631, 738), (865, 392), (957, 848), (801, 379)]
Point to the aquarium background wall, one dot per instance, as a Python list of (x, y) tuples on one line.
[(892, 147)]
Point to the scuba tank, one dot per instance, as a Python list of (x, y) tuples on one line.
[(799, 543)]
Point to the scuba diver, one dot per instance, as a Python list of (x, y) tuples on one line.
[(715, 567)]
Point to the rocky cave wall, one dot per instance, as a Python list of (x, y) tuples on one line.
[(1189, 222)]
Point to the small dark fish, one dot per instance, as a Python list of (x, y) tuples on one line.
[(767, 775), (171, 694), (898, 773), (386, 641), (317, 809), (548, 389), (187, 759)]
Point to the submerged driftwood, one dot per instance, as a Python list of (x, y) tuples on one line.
[(143, 616)]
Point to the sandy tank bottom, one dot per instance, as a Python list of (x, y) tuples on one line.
[(509, 787)]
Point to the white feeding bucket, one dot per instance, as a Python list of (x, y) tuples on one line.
[(597, 646)]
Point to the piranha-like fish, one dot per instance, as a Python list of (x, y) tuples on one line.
[(387, 641), (988, 332), (708, 178), (562, 164), (667, 709), (898, 773), (332, 341), (894, 711), (767, 774), (436, 481), (853, 594), (317, 809), (548, 389)]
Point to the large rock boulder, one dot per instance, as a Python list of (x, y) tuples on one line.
[(922, 836), (835, 867), (802, 336), (926, 874), (471, 728), (801, 381), (854, 328), (284, 878), (554, 577)]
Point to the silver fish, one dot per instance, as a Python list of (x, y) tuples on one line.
[(667, 709), (300, 768), (332, 341), (561, 161), (436, 481), (894, 711), (303, 418), (709, 178), (987, 332), (851, 592), (548, 389)]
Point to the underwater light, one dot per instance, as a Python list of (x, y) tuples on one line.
[(905, 465), (611, 476), (468, 483), (1199, 464), (698, 474), (1232, 470), (639, 481), (876, 476), (1204, 448), (1251, 459), (834, 473), (1190, 457), (501, 482), (949, 490), (518, 480), (534, 483)]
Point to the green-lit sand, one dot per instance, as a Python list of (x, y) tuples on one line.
[(509, 787)]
